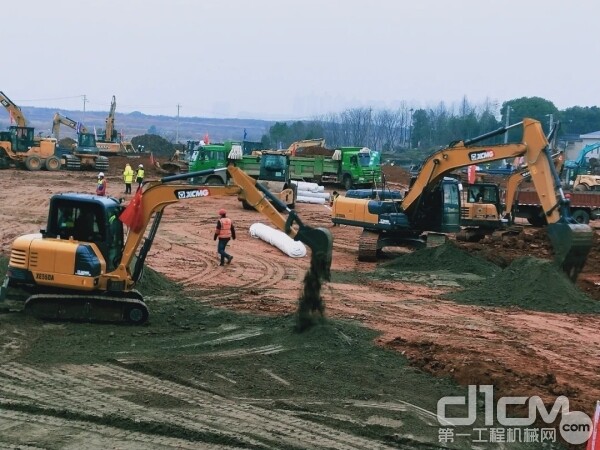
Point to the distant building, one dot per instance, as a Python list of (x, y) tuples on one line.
[(574, 143)]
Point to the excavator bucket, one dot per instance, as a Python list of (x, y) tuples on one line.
[(571, 243), (320, 242)]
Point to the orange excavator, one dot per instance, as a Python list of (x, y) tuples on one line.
[(82, 267), (433, 201)]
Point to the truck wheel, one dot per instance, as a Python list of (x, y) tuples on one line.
[(581, 216), (581, 187), (52, 163), (215, 181), (33, 163), (347, 182)]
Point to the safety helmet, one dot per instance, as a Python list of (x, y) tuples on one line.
[(101, 175), (141, 166), (222, 212)]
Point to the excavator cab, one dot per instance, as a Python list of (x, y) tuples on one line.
[(88, 219), (21, 138)]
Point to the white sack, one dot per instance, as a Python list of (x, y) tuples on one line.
[(324, 195), (306, 186), (279, 239), (301, 199)]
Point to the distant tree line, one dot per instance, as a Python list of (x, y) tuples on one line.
[(406, 128)]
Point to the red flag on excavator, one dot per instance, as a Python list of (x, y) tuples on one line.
[(471, 174), (594, 440), (206, 140), (133, 215)]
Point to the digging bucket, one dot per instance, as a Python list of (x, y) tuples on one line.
[(320, 242), (571, 243)]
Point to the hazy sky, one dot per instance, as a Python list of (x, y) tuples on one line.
[(272, 59)]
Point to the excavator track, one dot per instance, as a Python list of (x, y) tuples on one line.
[(367, 246), (88, 308)]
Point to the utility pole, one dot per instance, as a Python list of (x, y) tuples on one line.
[(177, 134), (508, 108), (411, 110), (85, 100)]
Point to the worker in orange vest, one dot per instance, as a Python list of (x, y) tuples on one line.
[(224, 232)]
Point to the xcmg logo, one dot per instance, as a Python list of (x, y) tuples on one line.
[(478, 156), (192, 193)]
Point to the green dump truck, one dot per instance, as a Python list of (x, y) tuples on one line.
[(351, 167)]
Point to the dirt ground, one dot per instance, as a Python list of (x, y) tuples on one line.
[(519, 351)]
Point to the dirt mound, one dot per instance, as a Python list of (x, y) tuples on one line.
[(396, 174), (444, 257), (529, 283), (312, 151), (154, 283)]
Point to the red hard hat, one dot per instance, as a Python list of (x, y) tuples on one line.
[(222, 212)]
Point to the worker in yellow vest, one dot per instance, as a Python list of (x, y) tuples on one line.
[(128, 178), (139, 176)]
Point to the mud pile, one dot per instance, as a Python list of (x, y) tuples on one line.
[(529, 283), (444, 257), (154, 283), (396, 174)]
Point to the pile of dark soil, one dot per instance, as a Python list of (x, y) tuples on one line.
[(153, 283), (529, 283), (444, 257)]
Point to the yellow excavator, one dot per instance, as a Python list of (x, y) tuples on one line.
[(21, 147), (85, 153), (82, 267), (433, 201), (110, 142)]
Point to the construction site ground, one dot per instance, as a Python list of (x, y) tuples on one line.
[(220, 365)]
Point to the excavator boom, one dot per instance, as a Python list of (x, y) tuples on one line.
[(13, 110), (158, 194)]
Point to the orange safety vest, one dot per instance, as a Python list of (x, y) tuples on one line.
[(225, 230)]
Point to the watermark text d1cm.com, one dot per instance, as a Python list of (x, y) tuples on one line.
[(575, 426)]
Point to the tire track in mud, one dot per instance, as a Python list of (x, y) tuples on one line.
[(262, 271), (100, 391), (84, 434)]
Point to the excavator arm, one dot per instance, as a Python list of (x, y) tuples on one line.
[(13, 110), (59, 120), (523, 174), (159, 194), (110, 121), (571, 241)]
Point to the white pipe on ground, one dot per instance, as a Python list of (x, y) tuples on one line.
[(279, 239), (317, 200)]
